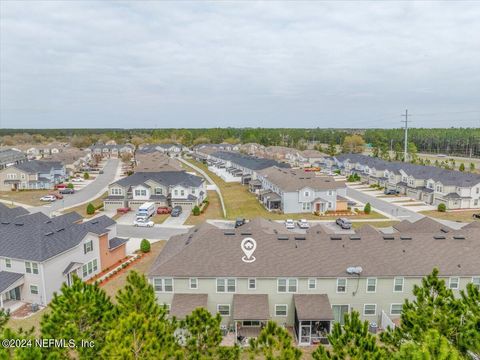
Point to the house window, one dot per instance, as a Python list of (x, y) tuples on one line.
[(476, 282), (223, 309), (140, 192), (176, 192), (87, 247), (34, 289), (158, 191), (281, 310), (369, 309), (193, 191), (341, 285), (339, 312), (167, 308), (287, 285), (330, 192), (396, 309), (8, 263), (251, 323), (398, 284), (306, 206), (115, 191), (252, 284), (307, 193), (312, 284), (31, 268), (371, 285), (330, 206), (182, 192), (193, 283), (226, 285), (163, 284), (454, 283), (95, 267)]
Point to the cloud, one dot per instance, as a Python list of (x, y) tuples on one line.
[(195, 64)]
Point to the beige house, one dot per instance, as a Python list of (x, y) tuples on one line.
[(306, 282)]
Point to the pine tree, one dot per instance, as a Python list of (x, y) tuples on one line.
[(145, 246), (332, 149), (461, 167), (90, 209), (80, 312), (351, 341), (275, 343), (368, 208), (432, 346)]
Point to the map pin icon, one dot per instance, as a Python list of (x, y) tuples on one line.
[(248, 247)]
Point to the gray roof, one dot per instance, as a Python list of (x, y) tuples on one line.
[(250, 307), (7, 278), (37, 237), (37, 166), (313, 307), (184, 304), (11, 155), (207, 251), (7, 213), (116, 242), (169, 178), (246, 161)]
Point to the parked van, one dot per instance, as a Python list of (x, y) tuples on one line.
[(146, 210)]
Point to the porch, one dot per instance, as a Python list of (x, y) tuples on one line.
[(11, 285), (250, 315), (271, 200)]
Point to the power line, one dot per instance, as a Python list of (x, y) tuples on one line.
[(405, 149)]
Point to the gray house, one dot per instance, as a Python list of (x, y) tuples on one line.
[(31, 175), (297, 191), (307, 281), (38, 254)]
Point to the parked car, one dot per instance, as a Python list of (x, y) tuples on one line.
[(60, 186), (143, 222), (146, 209), (476, 216), (303, 224), (391, 192), (289, 224), (66, 191), (77, 180), (123, 210), (344, 223), (176, 211), (164, 210), (57, 196), (49, 198), (239, 222)]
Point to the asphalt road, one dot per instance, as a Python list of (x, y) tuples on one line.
[(392, 209), (162, 233), (86, 194)]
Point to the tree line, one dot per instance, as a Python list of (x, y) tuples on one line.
[(435, 325)]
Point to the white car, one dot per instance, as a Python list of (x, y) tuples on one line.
[(143, 223), (303, 224), (77, 180), (289, 224), (49, 198)]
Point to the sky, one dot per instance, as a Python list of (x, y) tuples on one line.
[(72, 64)]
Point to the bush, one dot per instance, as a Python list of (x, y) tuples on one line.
[(86, 176), (70, 186), (145, 246), (90, 209), (442, 207), (196, 211), (367, 209)]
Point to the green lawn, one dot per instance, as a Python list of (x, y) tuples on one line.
[(27, 197), (82, 209), (213, 211), (241, 203), (461, 216)]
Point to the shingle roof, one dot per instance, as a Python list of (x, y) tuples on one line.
[(7, 278), (169, 178), (246, 161), (250, 307), (37, 166), (207, 251), (184, 304), (424, 225), (11, 155), (37, 237), (7, 213), (313, 307), (116, 242)]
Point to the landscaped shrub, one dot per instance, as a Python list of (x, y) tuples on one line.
[(196, 211), (86, 176), (367, 209), (442, 207), (70, 186), (90, 209), (145, 246)]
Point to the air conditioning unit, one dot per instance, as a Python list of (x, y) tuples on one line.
[(355, 270)]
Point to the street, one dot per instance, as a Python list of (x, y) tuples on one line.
[(157, 232)]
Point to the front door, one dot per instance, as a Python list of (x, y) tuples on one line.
[(305, 334)]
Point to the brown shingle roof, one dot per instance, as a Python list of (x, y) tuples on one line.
[(184, 304), (313, 307), (250, 307), (424, 225)]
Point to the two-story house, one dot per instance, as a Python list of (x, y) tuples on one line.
[(9, 157), (38, 254), (297, 191), (306, 282), (30, 175), (164, 188), (111, 150)]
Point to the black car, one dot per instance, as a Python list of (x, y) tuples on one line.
[(66, 191), (176, 211), (476, 216), (391, 192), (239, 222)]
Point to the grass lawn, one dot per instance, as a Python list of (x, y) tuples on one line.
[(461, 216), (160, 218), (214, 210), (28, 197), (241, 203), (82, 209)]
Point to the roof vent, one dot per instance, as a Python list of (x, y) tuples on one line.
[(335, 237), (282, 237), (94, 222), (5, 222), (405, 237), (439, 237), (48, 221), (19, 224), (300, 238), (49, 233), (61, 229), (388, 237), (444, 230), (229, 233), (458, 237), (246, 233), (355, 237)]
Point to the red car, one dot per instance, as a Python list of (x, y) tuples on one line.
[(60, 186), (164, 210), (123, 210), (58, 196)]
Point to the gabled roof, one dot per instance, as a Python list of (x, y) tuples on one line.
[(424, 225), (7, 278), (37, 166), (246, 161), (250, 307), (7, 213), (313, 307), (168, 178), (184, 304)]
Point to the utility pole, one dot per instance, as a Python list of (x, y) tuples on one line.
[(405, 149)]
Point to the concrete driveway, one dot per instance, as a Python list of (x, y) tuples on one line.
[(157, 232), (88, 193), (179, 220)]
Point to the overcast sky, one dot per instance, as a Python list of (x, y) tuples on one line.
[(268, 64)]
